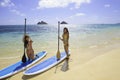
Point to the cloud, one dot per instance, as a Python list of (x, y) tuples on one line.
[(71, 8), (11, 6), (80, 14), (17, 12), (60, 3), (107, 5), (77, 15), (6, 3)]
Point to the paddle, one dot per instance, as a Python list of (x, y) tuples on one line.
[(58, 52), (24, 59)]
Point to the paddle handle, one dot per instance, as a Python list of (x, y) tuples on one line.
[(25, 27), (58, 33), (24, 33)]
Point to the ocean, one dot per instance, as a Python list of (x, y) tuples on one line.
[(86, 37)]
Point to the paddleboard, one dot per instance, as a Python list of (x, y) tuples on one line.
[(45, 65), (19, 66)]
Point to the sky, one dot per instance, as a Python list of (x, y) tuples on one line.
[(13, 12)]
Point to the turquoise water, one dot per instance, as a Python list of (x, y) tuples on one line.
[(45, 37)]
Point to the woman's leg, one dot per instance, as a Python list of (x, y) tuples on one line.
[(66, 50), (32, 54), (28, 53)]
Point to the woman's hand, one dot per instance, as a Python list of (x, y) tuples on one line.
[(60, 38)]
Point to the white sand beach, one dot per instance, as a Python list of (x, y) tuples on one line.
[(100, 67)]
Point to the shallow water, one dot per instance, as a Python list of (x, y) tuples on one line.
[(85, 37)]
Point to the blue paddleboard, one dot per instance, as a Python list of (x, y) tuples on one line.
[(45, 65), (19, 66)]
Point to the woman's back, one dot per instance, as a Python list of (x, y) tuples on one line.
[(30, 51)]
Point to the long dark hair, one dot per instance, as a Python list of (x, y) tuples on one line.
[(67, 32), (25, 40)]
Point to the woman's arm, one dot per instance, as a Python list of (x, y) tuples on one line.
[(60, 38)]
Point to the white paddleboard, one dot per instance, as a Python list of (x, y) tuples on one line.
[(45, 65)]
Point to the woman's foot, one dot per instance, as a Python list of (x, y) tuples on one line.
[(29, 59), (67, 57), (36, 56)]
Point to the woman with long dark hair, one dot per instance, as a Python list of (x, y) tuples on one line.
[(28, 47), (65, 39)]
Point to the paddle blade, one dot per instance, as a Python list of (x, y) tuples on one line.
[(58, 55), (24, 58)]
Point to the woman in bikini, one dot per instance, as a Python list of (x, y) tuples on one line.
[(65, 39), (28, 47)]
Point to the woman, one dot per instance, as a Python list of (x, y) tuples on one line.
[(30, 51), (65, 40), (28, 47)]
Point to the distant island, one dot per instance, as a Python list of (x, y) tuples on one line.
[(42, 22), (63, 22), (117, 23)]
